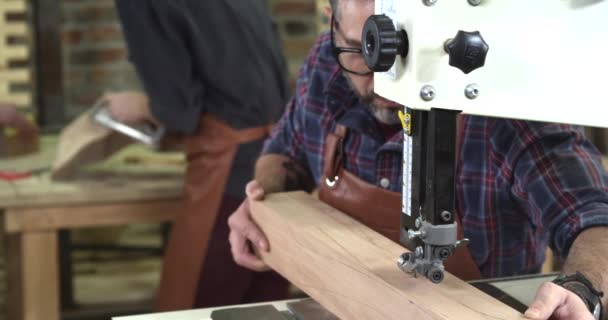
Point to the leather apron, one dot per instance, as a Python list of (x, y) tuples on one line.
[(375, 207), (210, 153)]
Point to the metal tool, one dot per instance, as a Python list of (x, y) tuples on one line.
[(428, 225), (409, 45), (146, 133)]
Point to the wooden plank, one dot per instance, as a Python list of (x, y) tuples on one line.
[(21, 100), (22, 75), (33, 273), (14, 52), (84, 142), (10, 51), (15, 29), (36, 219), (351, 270), (13, 6)]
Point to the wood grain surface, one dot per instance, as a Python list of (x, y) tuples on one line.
[(351, 270)]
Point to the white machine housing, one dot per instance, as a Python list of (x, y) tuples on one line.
[(547, 59)]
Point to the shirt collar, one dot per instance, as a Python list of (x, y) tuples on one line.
[(344, 105), (348, 110)]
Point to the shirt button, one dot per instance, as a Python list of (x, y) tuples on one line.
[(385, 183)]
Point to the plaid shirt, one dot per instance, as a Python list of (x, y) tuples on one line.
[(520, 185)]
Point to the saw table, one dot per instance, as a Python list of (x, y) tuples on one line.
[(514, 290), (123, 190)]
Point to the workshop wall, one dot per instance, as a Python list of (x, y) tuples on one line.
[(94, 53), (95, 58), (299, 22)]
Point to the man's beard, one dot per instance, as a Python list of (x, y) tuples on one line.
[(385, 115)]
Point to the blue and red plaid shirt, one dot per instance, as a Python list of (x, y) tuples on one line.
[(520, 185)]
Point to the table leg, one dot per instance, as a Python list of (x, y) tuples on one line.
[(35, 297)]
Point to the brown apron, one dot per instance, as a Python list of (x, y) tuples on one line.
[(375, 207), (210, 153)]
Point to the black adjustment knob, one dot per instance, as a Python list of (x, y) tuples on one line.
[(382, 43), (467, 51)]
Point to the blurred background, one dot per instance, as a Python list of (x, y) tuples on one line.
[(57, 57)]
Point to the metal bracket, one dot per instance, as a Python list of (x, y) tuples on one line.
[(439, 243), (145, 132)]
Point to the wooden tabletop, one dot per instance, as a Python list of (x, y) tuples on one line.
[(135, 173)]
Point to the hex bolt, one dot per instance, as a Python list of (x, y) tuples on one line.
[(403, 259), (427, 93), (414, 234), (444, 253), (435, 275), (419, 252), (403, 262), (472, 91)]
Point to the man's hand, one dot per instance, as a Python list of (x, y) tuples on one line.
[(558, 303), (244, 233), (11, 117), (129, 107)]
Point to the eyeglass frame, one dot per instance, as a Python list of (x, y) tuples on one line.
[(336, 51)]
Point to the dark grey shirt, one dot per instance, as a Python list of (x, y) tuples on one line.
[(221, 57)]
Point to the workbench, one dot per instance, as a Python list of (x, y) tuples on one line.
[(35, 209), (522, 289)]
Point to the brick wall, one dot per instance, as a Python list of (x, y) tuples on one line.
[(94, 55), (297, 21)]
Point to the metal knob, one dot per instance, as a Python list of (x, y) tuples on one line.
[(435, 274), (381, 43), (467, 50)]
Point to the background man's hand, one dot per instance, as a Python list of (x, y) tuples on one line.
[(244, 233), (555, 302), (129, 107), (11, 117)]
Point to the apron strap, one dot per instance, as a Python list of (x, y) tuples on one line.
[(334, 151), (210, 153), (253, 134), (219, 133)]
